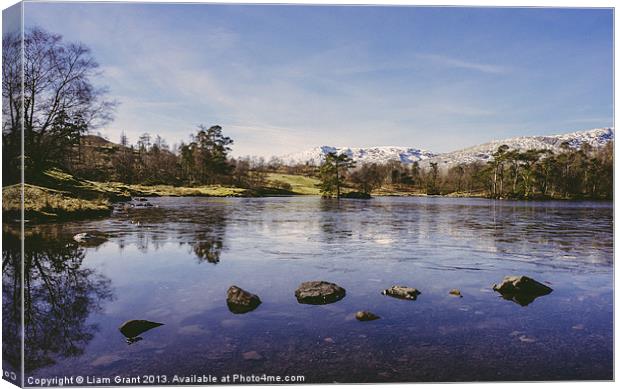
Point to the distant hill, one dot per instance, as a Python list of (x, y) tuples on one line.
[(381, 154), (595, 137)]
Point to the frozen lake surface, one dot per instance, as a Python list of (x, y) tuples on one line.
[(172, 263)]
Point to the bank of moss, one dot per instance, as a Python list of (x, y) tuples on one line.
[(42, 203), (59, 195)]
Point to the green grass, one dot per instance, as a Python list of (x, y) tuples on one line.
[(299, 184), (46, 203), (59, 195), (59, 180), (169, 190)]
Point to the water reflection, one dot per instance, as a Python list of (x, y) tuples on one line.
[(60, 293), (202, 230), (11, 302), (158, 259)]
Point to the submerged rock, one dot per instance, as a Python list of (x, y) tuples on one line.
[(455, 292), (132, 328), (319, 292), (241, 301), (90, 239), (521, 289), (366, 316), (402, 292), (252, 356)]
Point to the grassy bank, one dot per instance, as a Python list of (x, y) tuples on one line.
[(59, 195), (300, 185), (42, 203)]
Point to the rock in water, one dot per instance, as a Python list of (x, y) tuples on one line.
[(319, 292), (521, 289), (402, 292), (132, 328), (455, 292), (366, 316), (241, 301), (90, 239)]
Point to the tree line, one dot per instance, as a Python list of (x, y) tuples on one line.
[(49, 98), (571, 173), (203, 160)]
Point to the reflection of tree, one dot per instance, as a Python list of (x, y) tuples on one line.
[(202, 231), (334, 219), (59, 295), (11, 301), (208, 247), (208, 241)]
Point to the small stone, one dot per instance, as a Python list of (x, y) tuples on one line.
[(402, 292), (241, 301), (132, 328), (319, 292), (366, 316), (527, 339), (252, 356), (90, 239), (329, 340), (456, 292)]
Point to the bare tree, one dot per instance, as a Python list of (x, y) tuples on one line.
[(59, 101)]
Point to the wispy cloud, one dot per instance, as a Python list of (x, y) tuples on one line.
[(462, 64), (273, 80)]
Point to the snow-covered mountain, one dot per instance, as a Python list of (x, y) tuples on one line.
[(596, 137), (381, 154)]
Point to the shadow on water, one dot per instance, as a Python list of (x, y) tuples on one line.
[(59, 295)]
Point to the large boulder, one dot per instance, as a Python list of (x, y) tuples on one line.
[(521, 289), (319, 292), (402, 292), (241, 301)]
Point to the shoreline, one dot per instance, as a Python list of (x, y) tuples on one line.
[(42, 204)]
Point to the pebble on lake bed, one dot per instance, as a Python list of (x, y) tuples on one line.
[(252, 356), (402, 292), (366, 316)]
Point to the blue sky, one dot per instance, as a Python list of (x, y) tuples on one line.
[(281, 79)]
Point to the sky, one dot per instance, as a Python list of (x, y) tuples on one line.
[(281, 79)]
